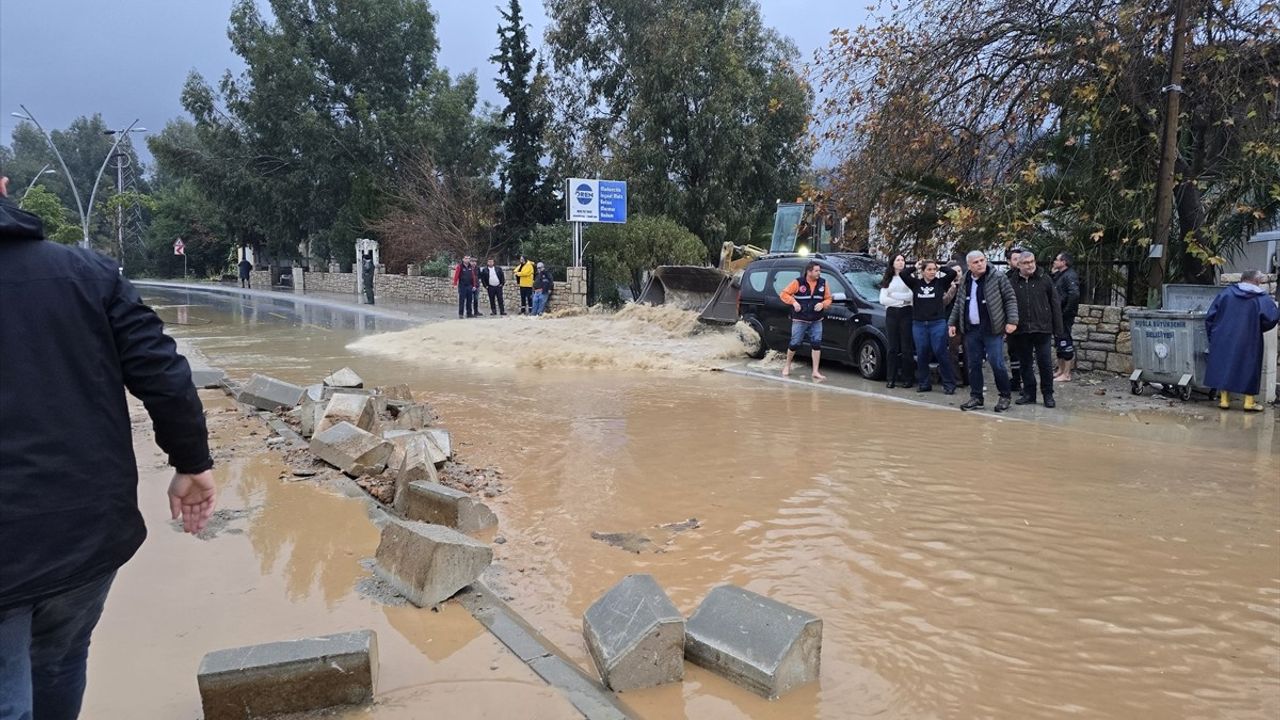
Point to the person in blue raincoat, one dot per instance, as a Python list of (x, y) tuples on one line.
[(1235, 323)]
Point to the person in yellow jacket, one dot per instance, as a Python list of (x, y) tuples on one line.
[(524, 278)]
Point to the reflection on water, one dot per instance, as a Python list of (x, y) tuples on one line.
[(964, 566)]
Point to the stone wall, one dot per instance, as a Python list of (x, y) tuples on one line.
[(1102, 340), (417, 288), (260, 279)]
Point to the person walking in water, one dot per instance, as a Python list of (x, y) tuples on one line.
[(1235, 323), (74, 336), (985, 311), (543, 284), (467, 280), (929, 323), (246, 267), (492, 278), (809, 298), (524, 278), (896, 296)]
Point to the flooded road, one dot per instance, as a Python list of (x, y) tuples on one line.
[(964, 566)]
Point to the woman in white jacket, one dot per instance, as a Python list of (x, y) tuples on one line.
[(896, 297)]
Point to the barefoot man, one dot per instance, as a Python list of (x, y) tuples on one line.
[(809, 298)]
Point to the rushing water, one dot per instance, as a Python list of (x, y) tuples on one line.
[(964, 566)]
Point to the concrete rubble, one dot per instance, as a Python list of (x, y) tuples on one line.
[(434, 503), (408, 415), (441, 438), (428, 564), (761, 644), (354, 451), (289, 677), (400, 393), (635, 635), (351, 408), (267, 393), (344, 378), (311, 411)]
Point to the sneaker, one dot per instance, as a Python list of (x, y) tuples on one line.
[(925, 388), (971, 403), (1025, 399), (891, 384), (1049, 401), (949, 391), (1002, 404)]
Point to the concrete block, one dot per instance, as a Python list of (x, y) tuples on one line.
[(434, 503), (418, 461), (407, 415), (440, 437), (207, 377), (310, 413), (289, 677), (428, 564), (354, 451), (351, 408), (399, 392), (758, 643), (344, 378), (635, 635), (268, 393)]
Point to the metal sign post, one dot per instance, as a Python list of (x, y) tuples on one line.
[(180, 248)]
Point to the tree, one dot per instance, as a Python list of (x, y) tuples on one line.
[(182, 211), (58, 224), (1039, 122), (622, 254), (525, 202), (694, 101)]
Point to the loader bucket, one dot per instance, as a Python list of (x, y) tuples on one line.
[(685, 286), (723, 308)]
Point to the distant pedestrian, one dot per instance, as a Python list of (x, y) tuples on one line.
[(467, 280), (1235, 323), (985, 311), (524, 278), (74, 336), (246, 267), (367, 270), (895, 296), (543, 285), (492, 278), (929, 323), (1013, 342), (1039, 322), (809, 298), (1067, 283)]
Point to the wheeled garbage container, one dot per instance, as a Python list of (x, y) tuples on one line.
[(1170, 348)]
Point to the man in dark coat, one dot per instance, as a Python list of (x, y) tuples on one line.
[(73, 336), (1235, 323), (985, 311), (1067, 284), (492, 278), (1039, 322), (245, 268)]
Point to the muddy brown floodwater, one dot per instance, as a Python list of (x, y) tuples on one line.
[(964, 566)]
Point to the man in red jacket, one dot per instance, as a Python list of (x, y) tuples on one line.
[(467, 279)]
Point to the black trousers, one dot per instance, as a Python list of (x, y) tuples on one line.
[(496, 292), (526, 300), (1015, 344), (900, 364), (1036, 353)]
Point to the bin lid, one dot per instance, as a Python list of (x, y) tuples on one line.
[(1184, 297), (1166, 315)]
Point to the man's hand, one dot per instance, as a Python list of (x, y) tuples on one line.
[(797, 307), (193, 498), (1008, 329), (4, 186), (951, 331)]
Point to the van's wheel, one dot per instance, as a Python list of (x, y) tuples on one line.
[(870, 359), (757, 348)]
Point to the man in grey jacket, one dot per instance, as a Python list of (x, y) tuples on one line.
[(985, 311)]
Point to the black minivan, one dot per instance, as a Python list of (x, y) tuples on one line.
[(853, 331)]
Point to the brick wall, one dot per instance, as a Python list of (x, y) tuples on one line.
[(417, 288)]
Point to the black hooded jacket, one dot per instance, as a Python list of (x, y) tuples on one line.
[(73, 336)]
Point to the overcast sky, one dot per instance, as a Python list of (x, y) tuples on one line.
[(128, 58)]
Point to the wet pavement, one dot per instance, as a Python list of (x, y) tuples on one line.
[(1093, 562)]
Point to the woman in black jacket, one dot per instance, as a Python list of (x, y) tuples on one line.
[(929, 323)]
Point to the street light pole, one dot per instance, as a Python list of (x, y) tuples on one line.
[(43, 171), (26, 115), (120, 135)]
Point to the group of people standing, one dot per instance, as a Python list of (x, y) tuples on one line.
[(534, 280), (930, 309)]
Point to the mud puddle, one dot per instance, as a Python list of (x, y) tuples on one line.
[(964, 566)]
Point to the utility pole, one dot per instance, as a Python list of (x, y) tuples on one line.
[(120, 205), (1168, 158)]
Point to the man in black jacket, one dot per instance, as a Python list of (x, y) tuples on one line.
[(492, 279), (73, 336), (1067, 283), (985, 311), (1039, 322)]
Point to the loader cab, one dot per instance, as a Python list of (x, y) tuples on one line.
[(802, 228)]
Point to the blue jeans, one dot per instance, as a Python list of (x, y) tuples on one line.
[(931, 346), (979, 345), (802, 329), (43, 648), (539, 301)]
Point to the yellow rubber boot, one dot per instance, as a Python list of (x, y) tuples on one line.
[(1224, 400), (1251, 404)]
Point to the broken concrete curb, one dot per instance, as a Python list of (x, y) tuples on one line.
[(761, 644), (267, 393), (428, 564), (635, 635), (286, 677), (344, 378), (351, 450), (434, 503), (348, 407)]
